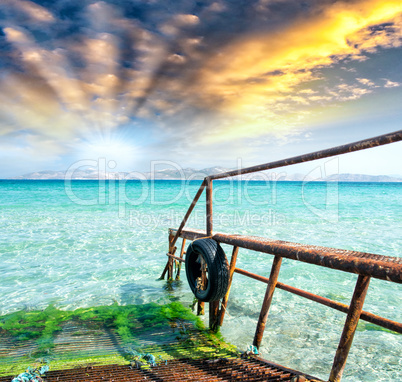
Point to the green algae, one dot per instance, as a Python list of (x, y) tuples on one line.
[(42, 325), (363, 326), (13, 368), (166, 331)]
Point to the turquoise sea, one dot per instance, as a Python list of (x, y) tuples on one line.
[(89, 243)]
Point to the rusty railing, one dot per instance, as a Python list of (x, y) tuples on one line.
[(366, 265)]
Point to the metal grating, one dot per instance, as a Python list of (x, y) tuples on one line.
[(219, 369)]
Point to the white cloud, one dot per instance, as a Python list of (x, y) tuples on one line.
[(391, 84), (366, 81)]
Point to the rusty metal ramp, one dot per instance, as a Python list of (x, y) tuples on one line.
[(219, 369), (127, 343)]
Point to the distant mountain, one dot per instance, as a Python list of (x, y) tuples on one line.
[(94, 173), (191, 173), (89, 173), (361, 178)]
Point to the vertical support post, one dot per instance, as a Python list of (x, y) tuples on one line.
[(170, 268), (188, 213), (170, 239), (181, 256), (209, 207), (352, 319), (200, 308), (231, 272), (201, 304), (262, 320), (213, 315), (213, 305), (170, 261), (165, 270), (169, 264)]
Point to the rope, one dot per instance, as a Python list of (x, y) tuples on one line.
[(140, 358), (226, 311), (251, 350), (204, 237), (32, 374)]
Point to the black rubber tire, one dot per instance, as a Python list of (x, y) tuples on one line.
[(217, 265)]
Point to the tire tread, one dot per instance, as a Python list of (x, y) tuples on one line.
[(218, 267)]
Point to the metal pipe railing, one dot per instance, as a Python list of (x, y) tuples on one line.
[(338, 150), (187, 215), (354, 311), (365, 316), (364, 264), (368, 264)]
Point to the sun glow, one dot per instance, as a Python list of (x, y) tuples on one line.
[(120, 154)]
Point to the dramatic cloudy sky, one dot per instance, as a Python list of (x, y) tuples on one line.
[(200, 83)]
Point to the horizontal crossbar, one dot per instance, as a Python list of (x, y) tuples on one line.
[(366, 264), (365, 316)]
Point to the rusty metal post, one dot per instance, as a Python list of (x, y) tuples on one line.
[(262, 320), (168, 264), (213, 305), (213, 315), (200, 308), (172, 250), (201, 304), (209, 207), (165, 270), (366, 316), (225, 299), (181, 256), (170, 269), (352, 319), (188, 213)]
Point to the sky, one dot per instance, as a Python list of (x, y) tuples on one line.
[(197, 83)]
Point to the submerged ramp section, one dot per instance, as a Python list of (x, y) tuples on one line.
[(220, 369), (147, 342), (108, 335), (181, 353)]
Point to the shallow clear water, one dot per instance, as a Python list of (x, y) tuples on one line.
[(92, 243)]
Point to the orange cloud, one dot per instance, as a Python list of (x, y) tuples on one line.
[(250, 78), (259, 82)]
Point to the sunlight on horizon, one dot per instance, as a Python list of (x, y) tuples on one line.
[(120, 154)]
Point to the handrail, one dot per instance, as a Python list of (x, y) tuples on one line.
[(366, 265), (365, 316), (338, 150)]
